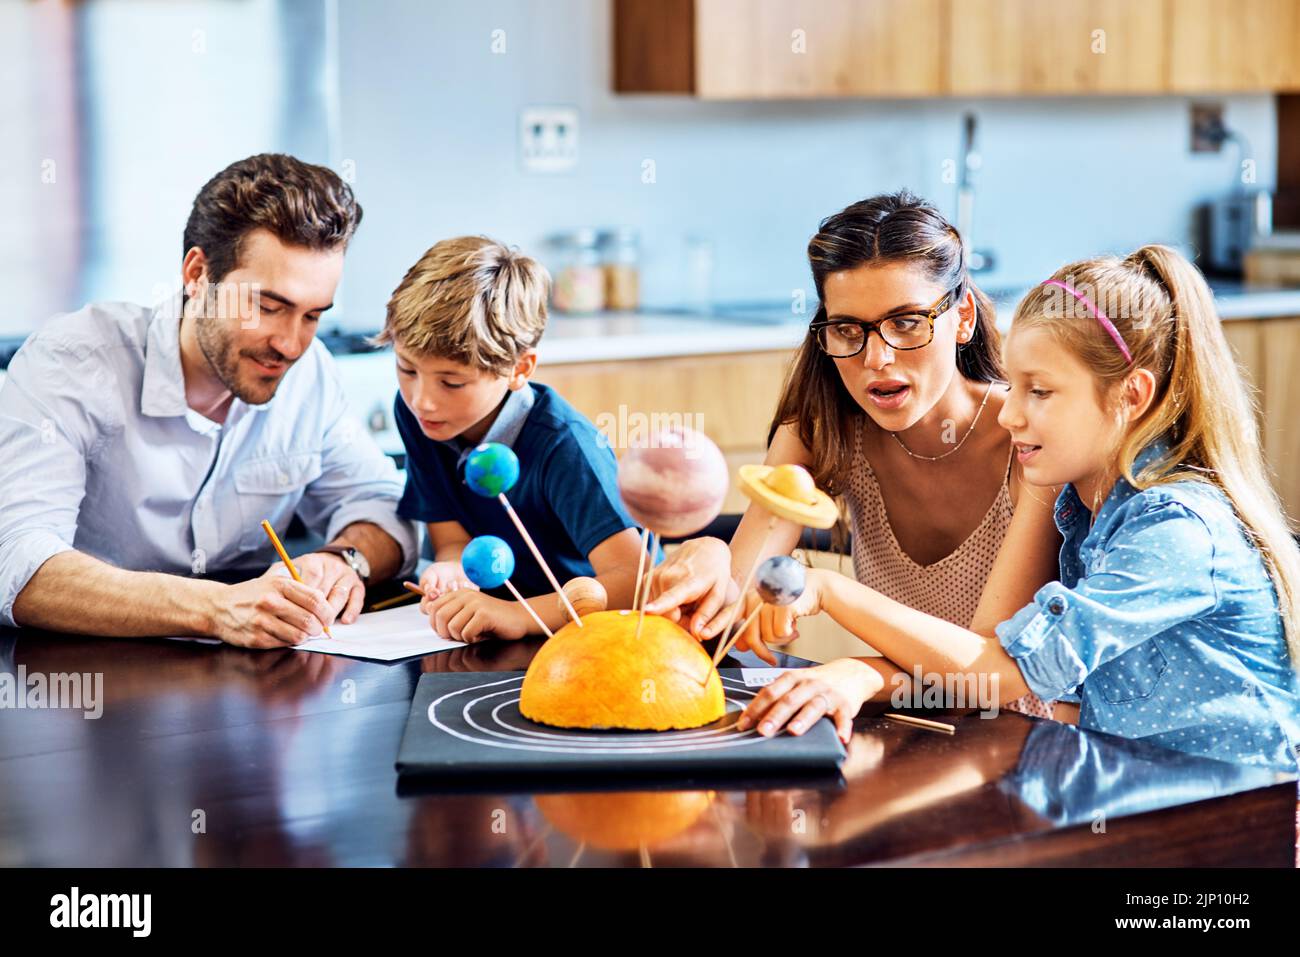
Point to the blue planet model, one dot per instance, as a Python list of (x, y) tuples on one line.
[(491, 469), (487, 561), (780, 580)]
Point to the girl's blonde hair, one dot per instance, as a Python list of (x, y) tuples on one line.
[(1162, 308)]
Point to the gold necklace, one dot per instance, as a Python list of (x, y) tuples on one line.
[(974, 421)]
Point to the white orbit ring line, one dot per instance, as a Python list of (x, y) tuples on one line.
[(733, 740)]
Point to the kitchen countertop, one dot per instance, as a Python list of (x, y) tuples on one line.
[(753, 327), (761, 327)]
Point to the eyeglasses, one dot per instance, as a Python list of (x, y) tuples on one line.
[(845, 338)]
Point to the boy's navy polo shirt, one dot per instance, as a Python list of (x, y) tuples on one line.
[(567, 493)]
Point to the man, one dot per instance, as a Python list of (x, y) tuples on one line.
[(141, 445)]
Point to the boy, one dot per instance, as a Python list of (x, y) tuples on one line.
[(464, 324)]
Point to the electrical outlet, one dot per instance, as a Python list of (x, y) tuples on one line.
[(548, 138), (1208, 129)]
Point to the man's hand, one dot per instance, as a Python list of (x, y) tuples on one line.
[(270, 612), (334, 578), (442, 577), (472, 616)]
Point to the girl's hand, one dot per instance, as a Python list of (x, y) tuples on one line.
[(442, 577), (470, 616), (695, 584), (797, 699), (775, 624)]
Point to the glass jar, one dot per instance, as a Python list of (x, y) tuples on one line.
[(622, 265), (580, 283)]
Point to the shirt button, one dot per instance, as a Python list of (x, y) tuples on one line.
[(1057, 605)]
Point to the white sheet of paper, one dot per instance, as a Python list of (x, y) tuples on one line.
[(761, 677), (387, 635)]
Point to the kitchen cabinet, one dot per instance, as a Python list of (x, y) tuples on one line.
[(1218, 46), (1267, 351), (1027, 47), (774, 49), (730, 397)]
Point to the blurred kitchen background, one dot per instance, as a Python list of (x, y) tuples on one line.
[(667, 159)]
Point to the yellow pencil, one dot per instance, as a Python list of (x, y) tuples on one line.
[(284, 557)]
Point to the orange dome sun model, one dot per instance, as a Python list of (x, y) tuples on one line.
[(604, 676)]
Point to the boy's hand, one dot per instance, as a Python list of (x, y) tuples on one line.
[(469, 615), (775, 624), (442, 577)]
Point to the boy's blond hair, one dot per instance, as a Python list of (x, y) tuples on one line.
[(471, 300)]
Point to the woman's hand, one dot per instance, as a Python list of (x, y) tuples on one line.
[(798, 698), (695, 584)]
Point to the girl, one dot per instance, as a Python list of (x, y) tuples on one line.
[(892, 404), (1175, 614)]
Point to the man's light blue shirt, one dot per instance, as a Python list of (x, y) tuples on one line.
[(100, 452)]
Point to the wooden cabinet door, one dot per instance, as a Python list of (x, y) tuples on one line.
[(1225, 45), (1281, 387), (757, 49), (1005, 47)]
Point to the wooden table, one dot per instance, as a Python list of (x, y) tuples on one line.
[(211, 755)]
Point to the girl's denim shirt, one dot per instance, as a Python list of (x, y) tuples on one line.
[(1166, 623)]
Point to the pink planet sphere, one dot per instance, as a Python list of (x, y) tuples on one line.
[(674, 481)]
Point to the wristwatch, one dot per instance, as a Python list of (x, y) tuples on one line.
[(356, 561)]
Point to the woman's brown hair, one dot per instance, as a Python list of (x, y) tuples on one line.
[(891, 228)]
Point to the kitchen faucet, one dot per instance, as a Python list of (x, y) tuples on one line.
[(977, 260)]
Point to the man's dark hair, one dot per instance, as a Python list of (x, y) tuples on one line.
[(300, 203)]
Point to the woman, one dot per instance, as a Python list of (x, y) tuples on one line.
[(892, 404)]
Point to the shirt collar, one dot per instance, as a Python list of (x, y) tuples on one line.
[(507, 425), (163, 389), (1070, 508)]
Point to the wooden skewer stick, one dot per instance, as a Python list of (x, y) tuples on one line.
[(640, 565), (722, 829), (529, 608), (532, 547), (749, 579), (649, 577), (392, 602), (922, 722), (721, 651)]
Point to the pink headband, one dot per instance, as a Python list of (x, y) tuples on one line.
[(1097, 314)]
